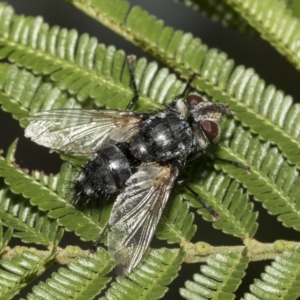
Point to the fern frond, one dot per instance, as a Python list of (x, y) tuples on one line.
[(272, 180), (275, 23), (22, 93), (280, 280), (50, 194), (222, 12), (144, 283), (267, 111), (83, 279), (80, 65), (226, 198), (220, 278), (19, 271), (35, 95), (28, 223), (176, 224)]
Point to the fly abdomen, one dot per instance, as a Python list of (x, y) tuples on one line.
[(104, 174)]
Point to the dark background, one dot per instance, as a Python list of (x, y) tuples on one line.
[(244, 49)]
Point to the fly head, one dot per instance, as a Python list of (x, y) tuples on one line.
[(204, 118)]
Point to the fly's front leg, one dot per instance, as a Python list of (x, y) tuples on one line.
[(96, 243), (214, 214), (211, 155), (130, 62), (185, 91)]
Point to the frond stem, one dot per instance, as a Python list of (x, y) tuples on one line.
[(195, 253), (257, 251)]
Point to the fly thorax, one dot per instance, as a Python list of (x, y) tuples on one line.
[(162, 137)]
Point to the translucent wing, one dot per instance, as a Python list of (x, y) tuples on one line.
[(136, 212), (80, 131)]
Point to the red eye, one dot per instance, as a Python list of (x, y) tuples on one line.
[(193, 99), (211, 130)]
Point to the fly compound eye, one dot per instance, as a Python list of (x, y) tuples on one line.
[(210, 129), (193, 99)]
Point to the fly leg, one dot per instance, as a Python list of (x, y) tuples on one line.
[(211, 155), (99, 238), (214, 214), (185, 91), (130, 60)]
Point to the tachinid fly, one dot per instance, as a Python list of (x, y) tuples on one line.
[(136, 155)]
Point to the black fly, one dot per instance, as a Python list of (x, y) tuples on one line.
[(135, 155)]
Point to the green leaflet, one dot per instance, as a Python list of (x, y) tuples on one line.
[(23, 94), (144, 283), (219, 278), (18, 271), (82, 280), (272, 180), (176, 224), (236, 216), (280, 279), (264, 16), (222, 12), (29, 224), (294, 5), (23, 267)]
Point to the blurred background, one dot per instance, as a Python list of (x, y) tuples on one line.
[(244, 49)]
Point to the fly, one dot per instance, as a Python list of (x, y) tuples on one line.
[(137, 156)]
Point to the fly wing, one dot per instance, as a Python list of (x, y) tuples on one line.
[(136, 212), (79, 130)]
